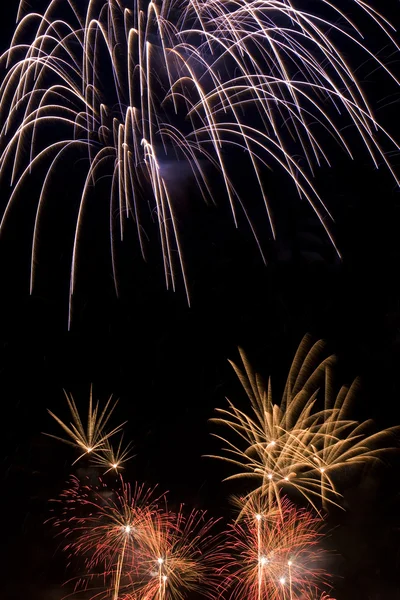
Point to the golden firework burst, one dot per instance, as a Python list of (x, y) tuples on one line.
[(307, 439)]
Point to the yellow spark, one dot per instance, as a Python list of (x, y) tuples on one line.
[(312, 433), (112, 457), (92, 437)]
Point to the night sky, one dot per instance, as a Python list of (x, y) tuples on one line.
[(168, 363)]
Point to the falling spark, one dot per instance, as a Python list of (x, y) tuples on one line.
[(139, 87)]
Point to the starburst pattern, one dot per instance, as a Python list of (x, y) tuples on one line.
[(133, 546), (275, 553), (112, 458), (297, 445), (107, 528), (92, 437), (184, 551)]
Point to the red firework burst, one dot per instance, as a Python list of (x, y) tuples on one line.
[(133, 546), (275, 554)]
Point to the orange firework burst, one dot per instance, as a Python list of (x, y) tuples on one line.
[(134, 547), (108, 529), (295, 445), (275, 553), (181, 556)]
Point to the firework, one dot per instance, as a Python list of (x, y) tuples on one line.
[(138, 87), (275, 553), (92, 439), (133, 546), (295, 445), (107, 528), (112, 458), (182, 556)]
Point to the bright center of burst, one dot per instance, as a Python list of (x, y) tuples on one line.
[(160, 561), (127, 528), (164, 578), (269, 475), (290, 563), (322, 470), (258, 517), (89, 449), (115, 466), (264, 561), (282, 580)]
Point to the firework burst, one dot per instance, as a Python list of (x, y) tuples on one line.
[(108, 529), (112, 458), (93, 438), (136, 86), (182, 556), (295, 445), (133, 546), (275, 553)]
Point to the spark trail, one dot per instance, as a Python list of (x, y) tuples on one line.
[(135, 86)]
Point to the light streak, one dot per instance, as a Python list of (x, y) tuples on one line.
[(314, 438), (92, 438), (134, 86), (277, 558), (112, 458), (134, 546), (108, 529)]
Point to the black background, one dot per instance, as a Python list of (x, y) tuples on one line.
[(167, 363)]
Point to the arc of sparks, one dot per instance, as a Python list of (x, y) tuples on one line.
[(143, 89)]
